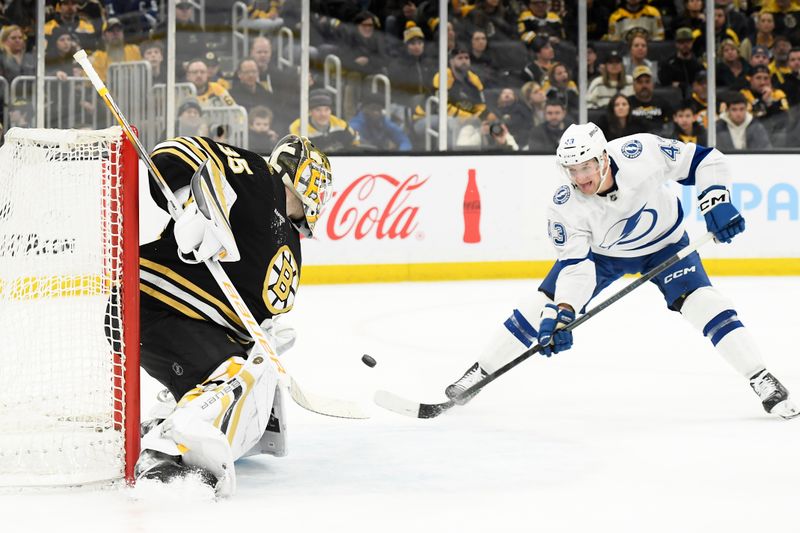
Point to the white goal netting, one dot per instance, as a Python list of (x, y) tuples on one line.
[(61, 349)]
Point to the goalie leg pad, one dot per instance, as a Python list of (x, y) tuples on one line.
[(516, 333), (273, 441), (713, 314), (219, 421)]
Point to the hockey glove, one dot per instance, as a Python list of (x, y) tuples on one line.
[(722, 218), (552, 338), (203, 230)]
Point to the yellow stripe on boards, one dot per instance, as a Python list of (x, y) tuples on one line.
[(327, 274), (36, 287)]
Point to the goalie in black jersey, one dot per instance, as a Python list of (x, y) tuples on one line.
[(191, 338)]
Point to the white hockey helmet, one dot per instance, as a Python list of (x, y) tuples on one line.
[(580, 143), (306, 170)]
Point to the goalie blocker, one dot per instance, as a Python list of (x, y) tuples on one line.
[(249, 213)]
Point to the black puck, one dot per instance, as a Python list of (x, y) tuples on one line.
[(368, 360)]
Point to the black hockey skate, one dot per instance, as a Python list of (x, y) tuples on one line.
[(165, 468), (774, 396), (472, 376)]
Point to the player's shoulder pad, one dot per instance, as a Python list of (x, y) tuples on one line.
[(634, 148)]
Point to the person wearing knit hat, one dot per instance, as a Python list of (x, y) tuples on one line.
[(411, 32), (190, 118), (412, 70), (61, 45), (327, 131)]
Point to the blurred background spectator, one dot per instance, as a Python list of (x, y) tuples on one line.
[(114, 49), (635, 14), (190, 118), (328, 132), (262, 138), (559, 86), (652, 110), (684, 126), (375, 129), (637, 52), (153, 53), (516, 116), (67, 18), (209, 93), (15, 59), (246, 90), (737, 129), (545, 136), (613, 80), (732, 70), (680, 69), (618, 121)]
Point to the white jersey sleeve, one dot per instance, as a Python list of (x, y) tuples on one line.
[(689, 163), (572, 238)]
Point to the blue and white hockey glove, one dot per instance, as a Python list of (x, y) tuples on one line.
[(722, 218), (552, 338)]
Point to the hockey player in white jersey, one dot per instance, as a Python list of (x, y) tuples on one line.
[(614, 215)]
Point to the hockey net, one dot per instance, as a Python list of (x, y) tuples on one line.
[(68, 307)]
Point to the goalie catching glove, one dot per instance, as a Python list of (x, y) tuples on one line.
[(722, 218), (203, 230)]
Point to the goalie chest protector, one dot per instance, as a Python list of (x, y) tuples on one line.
[(268, 273)]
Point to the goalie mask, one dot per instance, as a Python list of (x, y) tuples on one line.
[(306, 171)]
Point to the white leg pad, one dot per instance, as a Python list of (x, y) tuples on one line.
[(217, 423), (273, 441), (713, 314), (515, 335)]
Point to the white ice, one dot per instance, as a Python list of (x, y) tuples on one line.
[(640, 428)]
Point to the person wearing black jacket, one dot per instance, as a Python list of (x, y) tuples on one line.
[(363, 48), (618, 121), (680, 69), (545, 137), (411, 73)]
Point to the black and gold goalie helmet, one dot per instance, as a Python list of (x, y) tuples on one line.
[(307, 171)]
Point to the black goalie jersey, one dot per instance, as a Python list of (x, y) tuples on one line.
[(268, 273)]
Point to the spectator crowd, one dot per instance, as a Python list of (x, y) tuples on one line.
[(511, 76)]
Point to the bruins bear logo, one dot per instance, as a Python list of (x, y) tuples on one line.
[(280, 284)]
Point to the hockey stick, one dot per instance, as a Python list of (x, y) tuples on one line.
[(400, 405), (312, 402)]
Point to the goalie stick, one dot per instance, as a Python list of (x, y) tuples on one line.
[(312, 402), (403, 406)]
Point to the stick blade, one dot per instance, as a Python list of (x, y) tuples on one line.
[(325, 406), (402, 406)]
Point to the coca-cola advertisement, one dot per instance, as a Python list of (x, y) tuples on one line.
[(378, 206), (408, 210)]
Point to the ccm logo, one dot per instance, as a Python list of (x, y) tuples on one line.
[(679, 273), (718, 197)]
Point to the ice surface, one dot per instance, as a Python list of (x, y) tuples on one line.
[(641, 427)]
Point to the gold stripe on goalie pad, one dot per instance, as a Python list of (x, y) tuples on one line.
[(35, 287)]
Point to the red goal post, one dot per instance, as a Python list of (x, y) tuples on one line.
[(69, 307)]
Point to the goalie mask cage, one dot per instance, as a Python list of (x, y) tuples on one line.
[(69, 307)]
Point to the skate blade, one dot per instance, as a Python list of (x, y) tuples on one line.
[(786, 410)]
